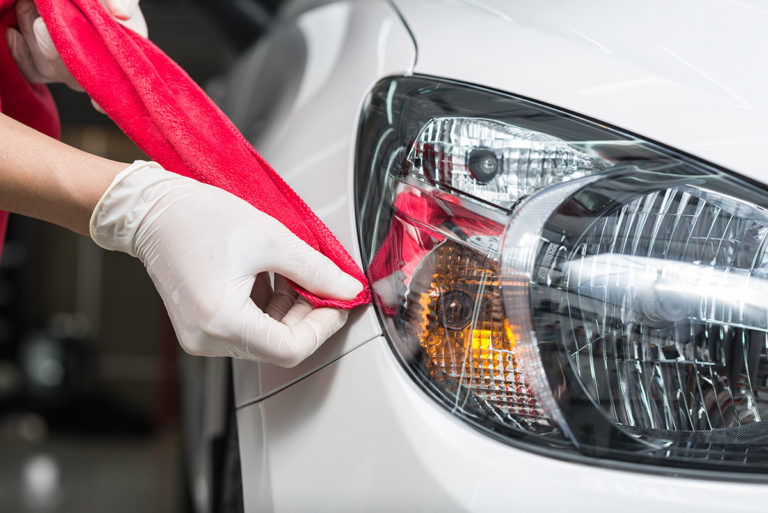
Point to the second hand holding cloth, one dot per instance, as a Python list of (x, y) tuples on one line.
[(159, 216), (204, 266)]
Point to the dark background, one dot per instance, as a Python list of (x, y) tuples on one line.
[(88, 359)]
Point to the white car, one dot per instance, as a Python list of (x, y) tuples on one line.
[(563, 209)]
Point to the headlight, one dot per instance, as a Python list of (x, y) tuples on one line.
[(564, 285)]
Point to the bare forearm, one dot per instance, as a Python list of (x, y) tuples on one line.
[(43, 178)]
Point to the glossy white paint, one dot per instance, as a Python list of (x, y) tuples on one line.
[(360, 436), (688, 73), (350, 45)]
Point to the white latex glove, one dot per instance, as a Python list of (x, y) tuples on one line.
[(207, 252), (33, 50)]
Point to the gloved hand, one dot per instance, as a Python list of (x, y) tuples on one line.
[(207, 252), (33, 50)]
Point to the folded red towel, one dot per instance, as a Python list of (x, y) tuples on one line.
[(173, 121)]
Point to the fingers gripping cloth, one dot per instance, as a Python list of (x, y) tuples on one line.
[(173, 121)]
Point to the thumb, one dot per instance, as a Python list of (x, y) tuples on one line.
[(307, 267), (128, 13), (121, 9), (43, 38)]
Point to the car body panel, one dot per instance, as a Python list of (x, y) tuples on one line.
[(335, 53), (304, 453), (686, 74), (348, 430)]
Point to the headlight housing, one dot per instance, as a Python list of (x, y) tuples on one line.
[(561, 283)]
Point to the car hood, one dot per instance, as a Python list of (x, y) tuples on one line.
[(688, 74)]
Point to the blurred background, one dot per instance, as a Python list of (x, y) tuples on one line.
[(88, 359)]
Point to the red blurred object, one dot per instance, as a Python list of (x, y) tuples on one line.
[(27, 103), (408, 241)]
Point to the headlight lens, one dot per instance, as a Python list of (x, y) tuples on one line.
[(553, 280), (493, 161)]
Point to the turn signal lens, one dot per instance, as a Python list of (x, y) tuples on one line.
[(455, 311), (565, 286)]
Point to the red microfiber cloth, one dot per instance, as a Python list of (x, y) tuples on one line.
[(173, 121)]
